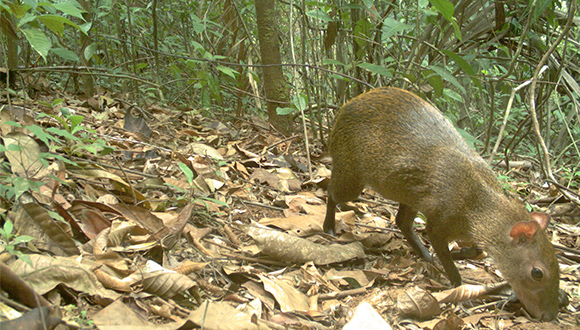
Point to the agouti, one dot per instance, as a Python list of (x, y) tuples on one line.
[(403, 148)]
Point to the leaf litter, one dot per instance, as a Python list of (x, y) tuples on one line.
[(155, 218)]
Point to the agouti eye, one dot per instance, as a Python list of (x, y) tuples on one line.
[(537, 274)]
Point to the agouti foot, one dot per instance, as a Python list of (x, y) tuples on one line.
[(329, 232)]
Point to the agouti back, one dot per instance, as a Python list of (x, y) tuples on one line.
[(403, 148)]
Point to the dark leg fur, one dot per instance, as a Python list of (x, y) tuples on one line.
[(404, 220), (440, 245), (341, 189), (329, 221)]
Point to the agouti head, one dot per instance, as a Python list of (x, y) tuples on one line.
[(403, 148)]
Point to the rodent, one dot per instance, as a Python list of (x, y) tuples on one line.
[(403, 148)]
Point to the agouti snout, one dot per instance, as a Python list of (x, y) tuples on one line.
[(402, 147)]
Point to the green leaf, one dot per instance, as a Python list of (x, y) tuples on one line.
[(460, 61), (228, 71), (42, 135), (65, 54), (32, 3), (21, 185), (456, 29), (74, 123), (90, 51), (56, 102), (24, 257), (362, 32), (63, 133), (447, 76), (434, 80), (329, 61), (12, 123), (59, 157), (368, 3), (187, 171), (85, 27), (217, 201), (464, 65), (8, 227), (319, 15), (445, 7), (376, 69), (284, 111), (453, 95), (299, 101), (28, 17), (22, 239), (70, 8), (392, 27), (38, 40), (471, 141), (54, 23), (198, 25), (17, 10)]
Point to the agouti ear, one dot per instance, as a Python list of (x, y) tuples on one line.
[(543, 219), (523, 231)]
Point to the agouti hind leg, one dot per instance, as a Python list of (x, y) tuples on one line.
[(329, 221), (405, 217), (441, 246)]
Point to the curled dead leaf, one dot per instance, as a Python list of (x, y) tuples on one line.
[(298, 250), (111, 282), (465, 292), (418, 303)]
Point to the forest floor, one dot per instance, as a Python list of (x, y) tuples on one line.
[(163, 219)]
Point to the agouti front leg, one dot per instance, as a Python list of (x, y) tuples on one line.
[(405, 217)]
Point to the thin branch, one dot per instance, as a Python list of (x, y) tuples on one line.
[(545, 157)]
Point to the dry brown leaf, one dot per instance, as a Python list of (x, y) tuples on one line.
[(48, 272), (294, 249), (348, 277), (418, 303), (304, 203), (140, 216), (451, 322), (204, 150), (167, 285), (223, 316), (305, 224), (111, 282), (25, 160), (313, 277), (55, 236), (92, 219), (464, 292), (119, 314), (189, 267), (287, 296)]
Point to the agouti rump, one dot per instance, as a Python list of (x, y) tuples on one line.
[(403, 148)]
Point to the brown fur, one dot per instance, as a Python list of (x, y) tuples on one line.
[(403, 148)]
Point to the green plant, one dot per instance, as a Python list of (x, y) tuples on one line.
[(76, 137), (11, 241), (80, 317), (33, 18), (190, 195)]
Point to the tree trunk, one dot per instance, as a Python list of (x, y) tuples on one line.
[(275, 86)]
